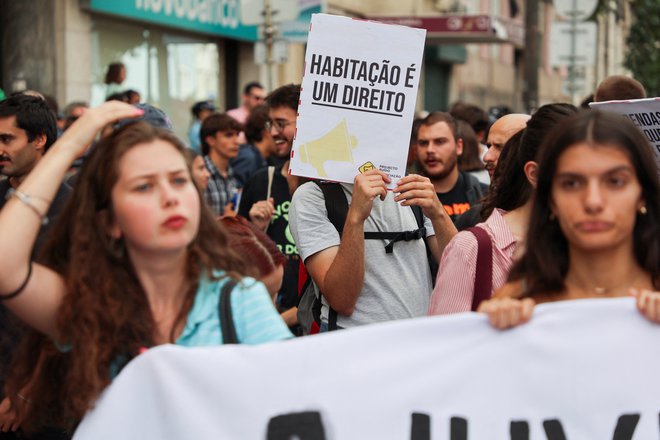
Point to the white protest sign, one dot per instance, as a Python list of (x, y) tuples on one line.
[(644, 113), (578, 370), (358, 98)]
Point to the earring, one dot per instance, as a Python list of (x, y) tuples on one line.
[(643, 210)]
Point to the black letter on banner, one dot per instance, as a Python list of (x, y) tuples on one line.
[(421, 427), (625, 427), (519, 430), (302, 426), (554, 430), (458, 428), (316, 63)]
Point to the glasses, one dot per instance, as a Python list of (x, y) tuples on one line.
[(278, 124)]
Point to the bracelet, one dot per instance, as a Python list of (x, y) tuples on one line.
[(21, 287), (26, 199)]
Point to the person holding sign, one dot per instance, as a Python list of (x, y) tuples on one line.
[(360, 279), (135, 260), (595, 222)]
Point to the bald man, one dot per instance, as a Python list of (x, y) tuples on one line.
[(500, 132)]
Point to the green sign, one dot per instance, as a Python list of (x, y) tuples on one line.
[(217, 17)]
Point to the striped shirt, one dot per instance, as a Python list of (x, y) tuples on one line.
[(454, 286), (220, 190), (255, 317)]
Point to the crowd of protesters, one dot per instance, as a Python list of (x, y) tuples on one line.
[(123, 237)]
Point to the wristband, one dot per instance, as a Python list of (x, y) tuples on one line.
[(20, 288)]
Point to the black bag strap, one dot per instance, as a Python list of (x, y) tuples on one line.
[(396, 236), (229, 335), (433, 264), (336, 204), (483, 279)]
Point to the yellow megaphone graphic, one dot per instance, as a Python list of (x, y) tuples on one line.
[(337, 145)]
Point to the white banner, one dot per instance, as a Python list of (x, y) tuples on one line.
[(357, 100), (585, 369), (644, 113)]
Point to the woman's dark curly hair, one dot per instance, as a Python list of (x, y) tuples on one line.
[(105, 316)]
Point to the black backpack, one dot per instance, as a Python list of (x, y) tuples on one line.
[(336, 203)]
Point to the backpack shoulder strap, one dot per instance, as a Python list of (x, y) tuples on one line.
[(419, 218), (229, 335), (419, 215), (483, 280), (336, 204)]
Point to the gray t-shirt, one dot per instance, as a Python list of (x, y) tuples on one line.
[(396, 285)]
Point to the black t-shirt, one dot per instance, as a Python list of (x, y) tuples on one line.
[(456, 200), (470, 218), (254, 191)]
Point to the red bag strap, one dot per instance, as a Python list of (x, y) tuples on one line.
[(483, 280)]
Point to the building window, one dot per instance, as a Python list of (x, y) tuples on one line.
[(169, 70)]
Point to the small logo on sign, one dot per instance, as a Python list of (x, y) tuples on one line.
[(366, 167)]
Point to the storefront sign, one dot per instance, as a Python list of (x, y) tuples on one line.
[(217, 17), (357, 100), (296, 31), (464, 28), (584, 369)]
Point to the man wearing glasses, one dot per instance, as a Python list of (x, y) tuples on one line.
[(266, 197), (253, 95)]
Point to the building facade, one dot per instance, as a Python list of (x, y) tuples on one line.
[(180, 51), (175, 53)]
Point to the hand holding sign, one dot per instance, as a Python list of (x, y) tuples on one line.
[(366, 188), (418, 190)]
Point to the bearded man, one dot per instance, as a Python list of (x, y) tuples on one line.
[(438, 148)]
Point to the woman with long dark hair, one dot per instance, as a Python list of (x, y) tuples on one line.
[(135, 260), (595, 222)]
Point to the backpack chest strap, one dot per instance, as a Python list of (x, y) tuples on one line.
[(396, 236)]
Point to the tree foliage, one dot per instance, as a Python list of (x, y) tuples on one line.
[(643, 57)]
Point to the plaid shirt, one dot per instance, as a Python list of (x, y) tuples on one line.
[(219, 191)]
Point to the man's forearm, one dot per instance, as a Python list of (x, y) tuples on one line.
[(444, 231), (344, 280)]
